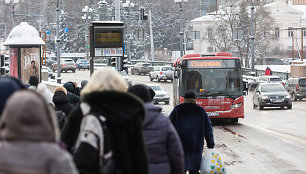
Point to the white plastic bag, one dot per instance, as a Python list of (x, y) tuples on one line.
[(211, 163)]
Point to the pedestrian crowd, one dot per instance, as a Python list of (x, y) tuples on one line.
[(104, 127)]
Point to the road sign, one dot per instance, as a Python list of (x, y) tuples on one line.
[(108, 52), (87, 46), (48, 32), (66, 30)]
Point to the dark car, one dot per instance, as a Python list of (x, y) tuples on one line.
[(161, 95), (271, 95), (82, 64), (142, 68)]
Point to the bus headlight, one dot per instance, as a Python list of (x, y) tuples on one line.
[(238, 105)]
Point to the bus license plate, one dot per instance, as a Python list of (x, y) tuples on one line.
[(213, 114)]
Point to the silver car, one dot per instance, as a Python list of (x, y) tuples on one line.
[(162, 73), (161, 95)]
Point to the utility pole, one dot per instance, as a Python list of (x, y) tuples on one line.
[(302, 44), (181, 29), (58, 42), (253, 38), (117, 10), (151, 36)]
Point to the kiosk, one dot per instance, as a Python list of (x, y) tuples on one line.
[(25, 52)]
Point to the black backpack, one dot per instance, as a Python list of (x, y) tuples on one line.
[(93, 151)]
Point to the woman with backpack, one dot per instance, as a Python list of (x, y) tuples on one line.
[(105, 95)]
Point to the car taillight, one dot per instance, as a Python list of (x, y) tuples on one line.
[(297, 87), (74, 64), (63, 64), (160, 73)]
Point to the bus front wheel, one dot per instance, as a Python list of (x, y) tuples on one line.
[(234, 120)]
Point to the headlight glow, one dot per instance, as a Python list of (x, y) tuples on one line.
[(264, 97), (238, 105)]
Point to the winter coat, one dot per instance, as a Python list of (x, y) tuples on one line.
[(125, 114), (29, 136), (61, 102), (192, 125), (8, 86), (164, 148), (73, 93), (268, 72)]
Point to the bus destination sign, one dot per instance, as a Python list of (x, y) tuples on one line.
[(219, 63)]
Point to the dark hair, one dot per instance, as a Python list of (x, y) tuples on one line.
[(32, 61), (33, 81), (145, 93), (189, 94)]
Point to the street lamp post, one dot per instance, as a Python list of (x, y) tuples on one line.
[(180, 2), (86, 10), (253, 37), (128, 5), (58, 42), (15, 2)]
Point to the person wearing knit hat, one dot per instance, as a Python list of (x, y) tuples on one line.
[(193, 125), (165, 152)]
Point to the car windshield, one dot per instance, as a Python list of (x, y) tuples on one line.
[(275, 79), (146, 64), (302, 82), (156, 88), (123, 73), (68, 60), (272, 88), (84, 61), (167, 69)]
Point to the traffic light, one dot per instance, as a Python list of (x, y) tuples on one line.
[(124, 63), (143, 16), (113, 62)]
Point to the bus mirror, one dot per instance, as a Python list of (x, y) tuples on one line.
[(176, 73)]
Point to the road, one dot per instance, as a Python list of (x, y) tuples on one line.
[(265, 141)]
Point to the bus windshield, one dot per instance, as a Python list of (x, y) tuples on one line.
[(213, 82)]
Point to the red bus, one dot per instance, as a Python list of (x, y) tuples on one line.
[(217, 81)]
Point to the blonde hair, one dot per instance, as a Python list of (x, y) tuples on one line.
[(106, 79), (60, 88)]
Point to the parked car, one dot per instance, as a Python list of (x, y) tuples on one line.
[(161, 95), (49, 62), (83, 64), (271, 95), (66, 65), (142, 68), (296, 88), (161, 73), (126, 77)]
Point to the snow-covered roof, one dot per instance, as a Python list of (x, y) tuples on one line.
[(298, 62), (23, 34), (301, 8), (275, 68), (206, 18), (68, 55)]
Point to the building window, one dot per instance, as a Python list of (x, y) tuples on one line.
[(209, 32), (304, 48), (304, 33), (195, 35), (210, 49), (277, 32), (290, 31)]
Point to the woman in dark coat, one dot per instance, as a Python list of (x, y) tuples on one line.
[(61, 100), (192, 125), (73, 93), (164, 148), (106, 95)]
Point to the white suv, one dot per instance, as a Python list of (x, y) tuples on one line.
[(162, 73)]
